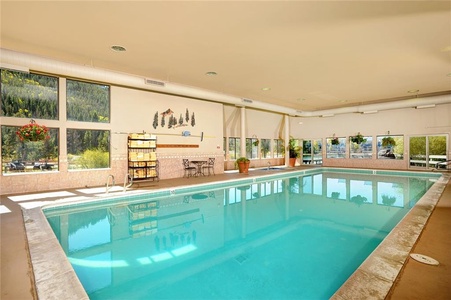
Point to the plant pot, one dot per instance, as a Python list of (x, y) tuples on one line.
[(243, 167), (292, 161)]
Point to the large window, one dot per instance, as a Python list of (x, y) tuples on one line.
[(279, 148), (88, 149), (390, 147), (312, 152), (88, 102), (427, 151), (336, 147), (21, 156), (361, 149), (252, 147), (265, 148), (29, 95), (234, 147)]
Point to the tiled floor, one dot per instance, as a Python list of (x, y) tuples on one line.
[(416, 281)]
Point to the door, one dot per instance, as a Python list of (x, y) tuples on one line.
[(428, 150)]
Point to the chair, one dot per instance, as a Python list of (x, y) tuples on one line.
[(189, 170), (209, 166)]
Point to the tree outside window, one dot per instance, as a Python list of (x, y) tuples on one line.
[(234, 147), (265, 148), (88, 149), (18, 156)]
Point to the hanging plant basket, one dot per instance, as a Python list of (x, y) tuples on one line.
[(335, 141), (388, 141), (358, 139), (32, 132)]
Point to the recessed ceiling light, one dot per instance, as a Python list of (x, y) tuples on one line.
[(449, 74), (118, 48), (266, 89), (211, 73), (413, 91), (343, 101)]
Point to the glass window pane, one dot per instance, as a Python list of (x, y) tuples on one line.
[(36, 156), (234, 147), (251, 148), (88, 102), (336, 147), (279, 148), (265, 148), (364, 149), (390, 147), (29, 95), (88, 149)]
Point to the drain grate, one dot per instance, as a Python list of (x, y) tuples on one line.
[(424, 259), (241, 258)]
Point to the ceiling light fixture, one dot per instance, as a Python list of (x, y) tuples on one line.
[(211, 73), (266, 89), (369, 112), (413, 91), (425, 106), (117, 48)]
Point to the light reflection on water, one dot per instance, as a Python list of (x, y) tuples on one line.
[(296, 237)]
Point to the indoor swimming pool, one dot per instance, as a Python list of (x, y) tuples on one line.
[(296, 235)]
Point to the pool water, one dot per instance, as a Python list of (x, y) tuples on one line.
[(283, 237)]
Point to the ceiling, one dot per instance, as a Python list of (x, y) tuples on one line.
[(310, 55)]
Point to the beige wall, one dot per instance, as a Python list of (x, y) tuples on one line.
[(260, 124)]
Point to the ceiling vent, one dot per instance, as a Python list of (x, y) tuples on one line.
[(246, 100), (154, 82)]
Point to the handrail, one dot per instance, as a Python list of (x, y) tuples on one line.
[(127, 176), (108, 181)]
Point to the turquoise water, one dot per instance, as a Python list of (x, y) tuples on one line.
[(281, 237)]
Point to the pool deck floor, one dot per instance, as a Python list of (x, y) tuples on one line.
[(415, 281)]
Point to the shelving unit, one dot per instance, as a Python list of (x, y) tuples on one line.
[(142, 158), (143, 218)]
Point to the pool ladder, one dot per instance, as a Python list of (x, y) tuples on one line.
[(128, 178), (108, 187)]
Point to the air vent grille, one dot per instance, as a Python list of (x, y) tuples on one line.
[(154, 82)]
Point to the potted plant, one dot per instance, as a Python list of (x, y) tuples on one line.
[(358, 139), (388, 141), (294, 152), (243, 164)]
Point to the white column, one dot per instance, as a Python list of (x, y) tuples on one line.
[(287, 139), (243, 131)]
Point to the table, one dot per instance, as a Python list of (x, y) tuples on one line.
[(199, 164)]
